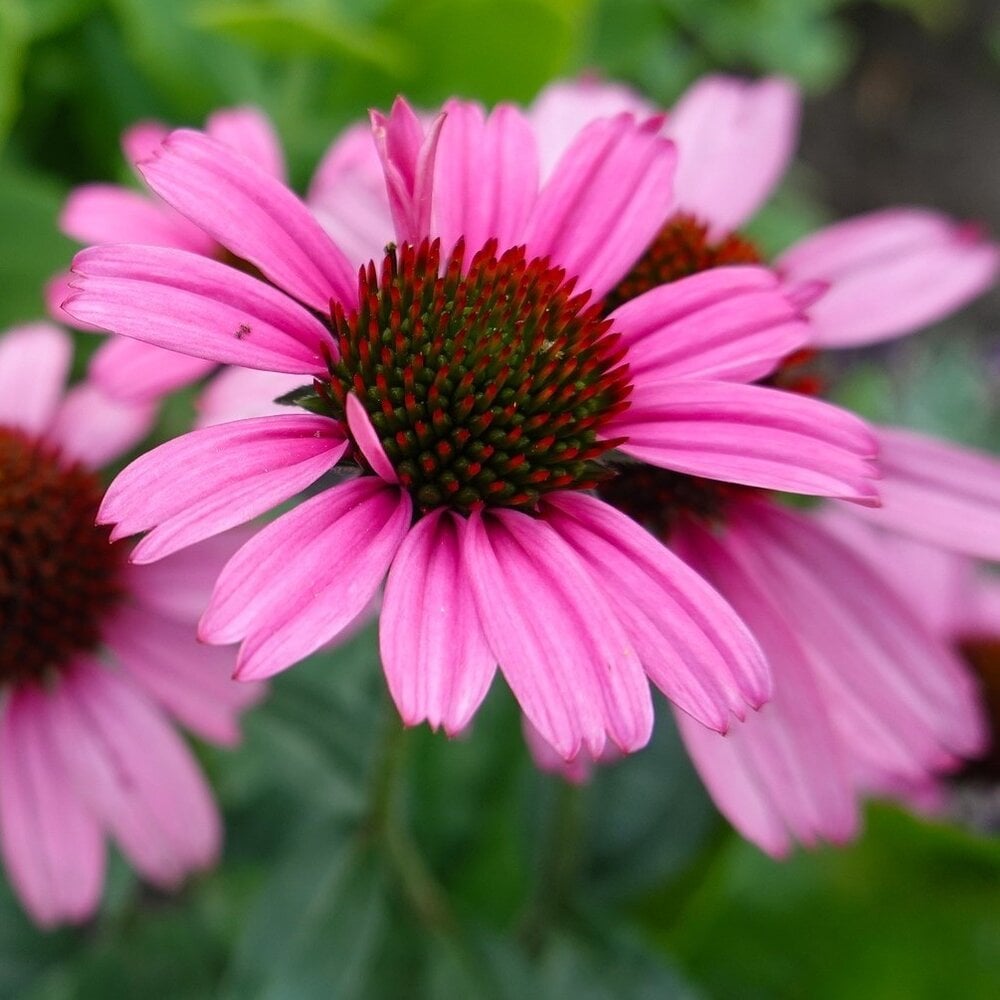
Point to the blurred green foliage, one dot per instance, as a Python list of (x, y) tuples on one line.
[(367, 862)]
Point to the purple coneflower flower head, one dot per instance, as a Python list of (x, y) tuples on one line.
[(97, 655), (868, 695), (473, 379)]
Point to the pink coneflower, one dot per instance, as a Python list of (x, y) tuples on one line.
[(867, 695), (96, 655), (112, 213), (475, 383)]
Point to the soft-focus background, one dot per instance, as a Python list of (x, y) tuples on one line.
[(364, 861)]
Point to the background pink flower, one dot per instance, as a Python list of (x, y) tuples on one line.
[(97, 654)]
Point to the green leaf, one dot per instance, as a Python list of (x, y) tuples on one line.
[(909, 911), (304, 30)]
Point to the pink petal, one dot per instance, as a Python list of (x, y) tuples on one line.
[(368, 441), (691, 644), (731, 323), (137, 372), (238, 393), (605, 201), (92, 427), (57, 289), (52, 847), (249, 131), (735, 139), (142, 140), (136, 774), (199, 484), (407, 154), (561, 648), (348, 196), (436, 659), (306, 576), (252, 214), (34, 363), (939, 492), (889, 273), (107, 213), (788, 751), (564, 107), (486, 177), (189, 680), (752, 435), (196, 306), (577, 771), (897, 696), (180, 585)]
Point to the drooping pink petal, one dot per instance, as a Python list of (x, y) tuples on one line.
[(141, 140), (135, 774), (752, 435), (180, 585), (563, 651), (788, 751), (692, 645), (196, 306), (486, 177), (57, 290), (897, 695), (306, 576), (137, 372), (250, 132), (731, 323), (197, 485), (348, 196), (92, 427), (189, 680), (52, 846), (564, 107), (34, 363), (107, 213), (238, 393), (889, 273), (735, 139), (605, 201), (367, 440), (939, 492), (436, 659), (577, 771), (252, 214), (407, 153)]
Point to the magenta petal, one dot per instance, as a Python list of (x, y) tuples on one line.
[(436, 659), (34, 364), (306, 576), (752, 435), (486, 177), (368, 441), (204, 482), (52, 846), (407, 153), (141, 140), (136, 774), (889, 273), (196, 306), (939, 492), (189, 680), (731, 323), (93, 428), (250, 132), (605, 201), (898, 696), (561, 648), (347, 194), (107, 213), (692, 645), (137, 372), (239, 393), (788, 751), (252, 214), (57, 290), (736, 138)]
